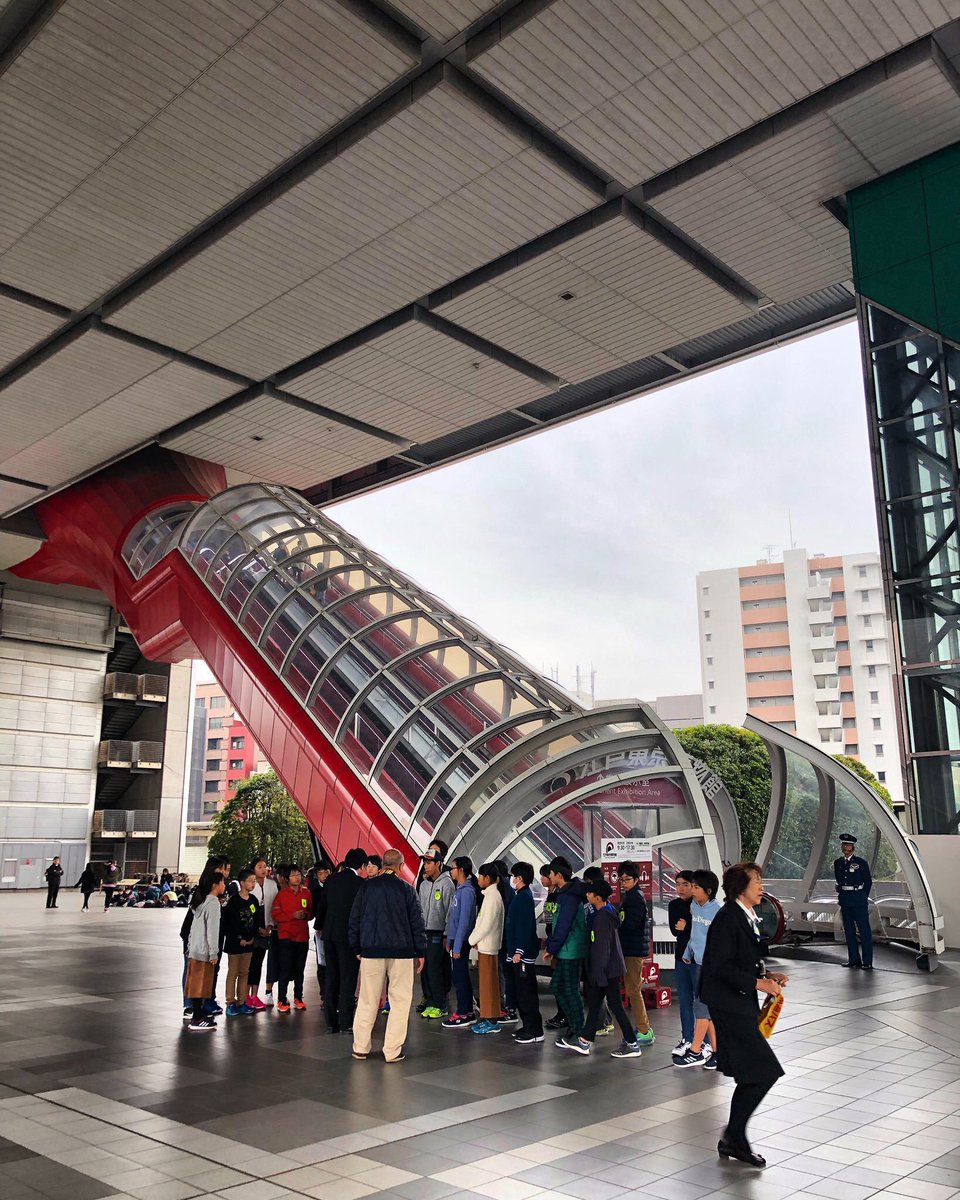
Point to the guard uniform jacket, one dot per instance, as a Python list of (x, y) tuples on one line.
[(853, 880)]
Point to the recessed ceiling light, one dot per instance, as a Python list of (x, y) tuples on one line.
[(255, 437), (568, 295)]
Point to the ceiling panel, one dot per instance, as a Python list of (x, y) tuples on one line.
[(22, 326), (417, 383), (273, 441), (12, 495), (437, 191), (914, 114), (640, 85), (444, 18), (169, 394), (762, 213), (73, 381), (630, 297), (245, 104)]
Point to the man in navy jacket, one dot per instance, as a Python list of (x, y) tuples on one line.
[(522, 950)]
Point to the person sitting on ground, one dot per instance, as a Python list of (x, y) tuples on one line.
[(605, 966), (635, 943), (487, 936), (523, 950), (460, 923), (703, 908)]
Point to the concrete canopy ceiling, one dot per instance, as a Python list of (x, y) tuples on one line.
[(332, 243)]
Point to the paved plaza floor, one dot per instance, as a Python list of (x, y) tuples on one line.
[(104, 1094)]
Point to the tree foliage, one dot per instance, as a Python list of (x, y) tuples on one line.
[(741, 760), (261, 819)]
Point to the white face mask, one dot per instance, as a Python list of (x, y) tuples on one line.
[(513, 883)]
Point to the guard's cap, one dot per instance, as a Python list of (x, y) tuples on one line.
[(431, 856), (848, 837)]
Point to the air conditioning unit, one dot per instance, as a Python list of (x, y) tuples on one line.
[(152, 689), (120, 685), (109, 823), (117, 754), (147, 756)]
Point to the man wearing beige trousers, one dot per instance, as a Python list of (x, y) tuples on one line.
[(388, 936)]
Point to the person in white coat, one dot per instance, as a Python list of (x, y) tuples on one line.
[(486, 936), (265, 890)]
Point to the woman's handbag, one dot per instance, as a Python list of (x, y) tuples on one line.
[(199, 984), (769, 1014)]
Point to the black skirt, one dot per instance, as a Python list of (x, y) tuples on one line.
[(743, 1052)]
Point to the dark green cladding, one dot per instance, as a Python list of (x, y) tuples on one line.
[(905, 241)]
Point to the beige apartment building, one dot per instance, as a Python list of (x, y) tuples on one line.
[(804, 644)]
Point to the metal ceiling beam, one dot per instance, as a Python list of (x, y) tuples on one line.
[(9, 292), (488, 349), (20, 22)]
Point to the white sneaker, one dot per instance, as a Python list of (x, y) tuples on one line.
[(681, 1048), (268, 999)]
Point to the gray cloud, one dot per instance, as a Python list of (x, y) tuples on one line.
[(582, 544)]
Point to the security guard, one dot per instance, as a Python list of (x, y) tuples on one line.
[(854, 882)]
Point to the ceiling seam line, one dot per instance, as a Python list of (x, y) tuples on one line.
[(27, 483), (25, 20), (31, 300), (491, 350)]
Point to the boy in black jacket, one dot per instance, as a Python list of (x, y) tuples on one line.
[(605, 965), (522, 951), (635, 943)]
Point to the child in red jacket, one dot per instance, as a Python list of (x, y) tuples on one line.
[(292, 913)]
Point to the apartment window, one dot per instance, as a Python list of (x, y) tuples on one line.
[(849, 723), (706, 612), (195, 839), (878, 750), (709, 662), (882, 776), (864, 597), (214, 743), (874, 697), (862, 572), (853, 748), (215, 723), (706, 591), (213, 764), (869, 645), (843, 671), (713, 710), (876, 722), (218, 701), (867, 621), (872, 671), (838, 595), (237, 743), (236, 764), (707, 637), (843, 645), (710, 684), (211, 785)]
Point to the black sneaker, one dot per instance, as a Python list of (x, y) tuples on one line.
[(527, 1039), (557, 1022), (572, 1043)]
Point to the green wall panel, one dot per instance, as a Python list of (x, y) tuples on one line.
[(905, 241)]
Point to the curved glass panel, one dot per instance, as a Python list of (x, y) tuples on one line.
[(155, 535), (252, 571), (309, 658), (209, 544), (791, 850), (453, 784), (379, 713), (224, 562), (387, 642), (311, 571), (363, 601)]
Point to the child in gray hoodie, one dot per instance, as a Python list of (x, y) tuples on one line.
[(204, 943)]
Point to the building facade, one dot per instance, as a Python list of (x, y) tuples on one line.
[(92, 738), (223, 753), (804, 644)]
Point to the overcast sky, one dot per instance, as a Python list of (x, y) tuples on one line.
[(581, 545)]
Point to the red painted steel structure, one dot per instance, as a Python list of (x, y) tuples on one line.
[(173, 616)]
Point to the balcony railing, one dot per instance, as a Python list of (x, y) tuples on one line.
[(125, 823)]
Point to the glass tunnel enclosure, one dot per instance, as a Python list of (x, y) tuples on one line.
[(453, 736)]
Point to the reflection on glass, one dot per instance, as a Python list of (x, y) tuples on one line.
[(791, 851)]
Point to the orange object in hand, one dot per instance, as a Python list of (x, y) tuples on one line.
[(770, 1014)]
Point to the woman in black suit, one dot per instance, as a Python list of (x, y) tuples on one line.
[(731, 975)]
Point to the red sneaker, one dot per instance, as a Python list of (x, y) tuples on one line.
[(299, 1006), (283, 1007)]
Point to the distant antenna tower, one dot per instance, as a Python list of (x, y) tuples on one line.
[(793, 544), (769, 548)]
